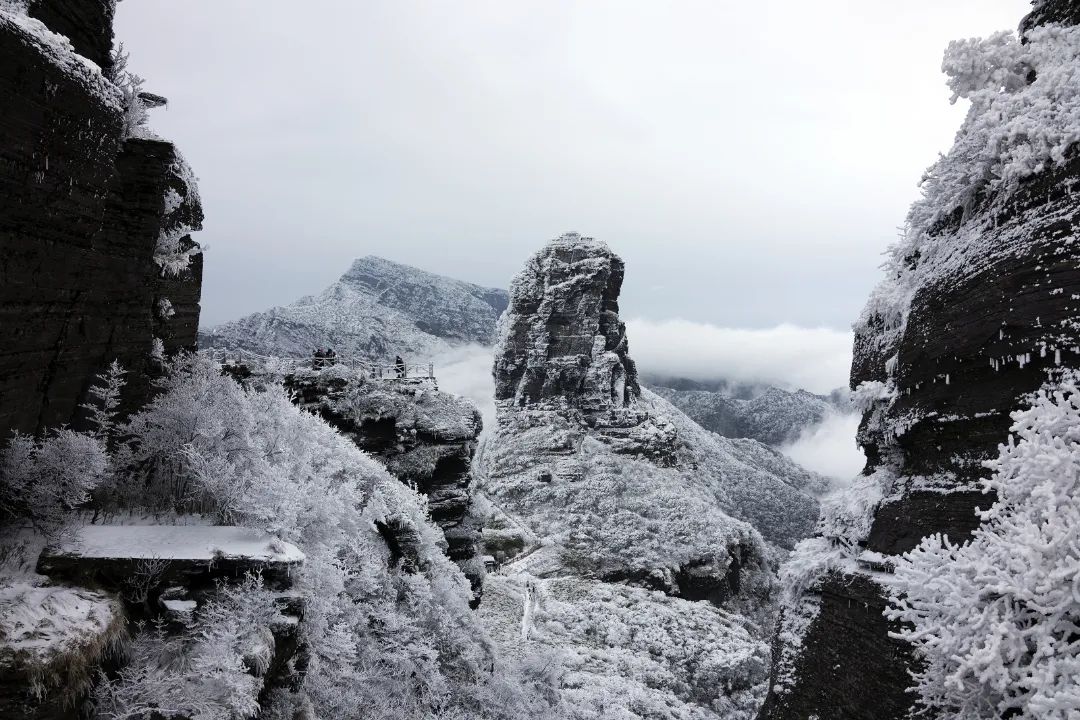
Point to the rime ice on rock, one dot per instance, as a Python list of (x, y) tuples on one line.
[(561, 340), (978, 308), (600, 495), (378, 309)]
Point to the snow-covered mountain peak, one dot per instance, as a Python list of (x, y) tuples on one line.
[(378, 309)]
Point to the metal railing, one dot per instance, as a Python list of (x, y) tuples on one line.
[(362, 366)]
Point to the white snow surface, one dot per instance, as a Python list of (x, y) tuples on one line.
[(178, 542), (38, 624), (626, 652)]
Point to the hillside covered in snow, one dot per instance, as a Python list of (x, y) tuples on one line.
[(628, 537), (770, 414), (377, 310)]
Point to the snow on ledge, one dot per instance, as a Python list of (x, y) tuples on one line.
[(40, 624), (177, 542)]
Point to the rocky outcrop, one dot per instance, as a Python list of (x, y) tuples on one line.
[(376, 310), (425, 437), (562, 342), (604, 503), (979, 315), (84, 208), (565, 381)]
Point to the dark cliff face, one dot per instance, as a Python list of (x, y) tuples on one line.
[(88, 24), (979, 335), (563, 339), (83, 208)]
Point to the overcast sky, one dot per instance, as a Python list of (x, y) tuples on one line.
[(749, 160)]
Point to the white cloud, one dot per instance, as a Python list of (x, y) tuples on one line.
[(466, 371), (829, 448), (815, 359)]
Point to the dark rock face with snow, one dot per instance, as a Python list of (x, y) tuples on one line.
[(376, 310), (988, 310), (84, 207), (425, 437), (563, 341), (773, 417), (594, 490)]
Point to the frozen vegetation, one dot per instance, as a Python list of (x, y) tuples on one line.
[(995, 619), (386, 618)]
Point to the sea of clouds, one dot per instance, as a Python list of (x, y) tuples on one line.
[(787, 356)]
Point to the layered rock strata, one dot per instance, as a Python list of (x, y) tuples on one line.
[(598, 494), (85, 206), (981, 307)]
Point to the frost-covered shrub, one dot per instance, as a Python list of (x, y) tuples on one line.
[(130, 85), (386, 619), (104, 408), (997, 619), (43, 480), (208, 671)]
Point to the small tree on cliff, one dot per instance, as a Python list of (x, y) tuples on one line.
[(997, 619)]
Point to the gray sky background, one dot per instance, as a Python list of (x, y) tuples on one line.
[(749, 160)]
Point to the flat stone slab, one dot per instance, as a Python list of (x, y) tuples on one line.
[(114, 556)]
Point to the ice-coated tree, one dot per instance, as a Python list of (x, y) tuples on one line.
[(41, 481), (105, 406), (996, 620)]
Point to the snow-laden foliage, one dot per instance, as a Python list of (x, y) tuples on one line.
[(629, 652), (1024, 118), (43, 480), (55, 637), (130, 85), (174, 249), (996, 620), (386, 616), (104, 407), (208, 671)]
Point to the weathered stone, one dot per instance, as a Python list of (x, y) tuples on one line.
[(425, 437), (83, 210), (562, 339), (990, 325), (88, 24), (141, 561)]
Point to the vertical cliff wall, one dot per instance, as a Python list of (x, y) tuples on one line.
[(84, 208), (981, 304)]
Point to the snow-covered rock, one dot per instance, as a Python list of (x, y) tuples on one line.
[(425, 437), (111, 555), (600, 496), (979, 307), (51, 642), (376, 310)]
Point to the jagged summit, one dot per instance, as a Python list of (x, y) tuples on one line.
[(561, 339), (377, 309)]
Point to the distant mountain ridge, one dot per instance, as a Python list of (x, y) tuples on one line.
[(377, 309), (768, 414)]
